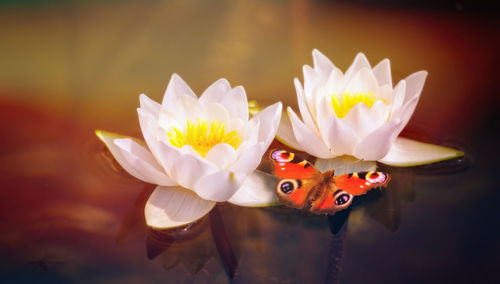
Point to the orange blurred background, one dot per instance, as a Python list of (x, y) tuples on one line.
[(91, 59)]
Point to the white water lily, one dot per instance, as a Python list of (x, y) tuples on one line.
[(199, 150), (357, 116)]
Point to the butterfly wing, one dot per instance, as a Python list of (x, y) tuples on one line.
[(298, 177), (287, 165), (360, 182), (341, 190), (294, 192)]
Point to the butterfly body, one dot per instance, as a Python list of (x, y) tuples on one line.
[(304, 187)]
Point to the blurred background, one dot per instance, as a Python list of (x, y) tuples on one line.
[(92, 59), (70, 67)]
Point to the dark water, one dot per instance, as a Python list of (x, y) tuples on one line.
[(70, 214)]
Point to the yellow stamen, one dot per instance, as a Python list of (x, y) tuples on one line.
[(203, 137), (343, 104)]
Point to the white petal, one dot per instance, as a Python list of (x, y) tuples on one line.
[(219, 186), (338, 135), (222, 155), (249, 159), (303, 107), (344, 165), (364, 120), (215, 111), (190, 150), (321, 63), (406, 152), (168, 119), (175, 88), (236, 103), (215, 92), (414, 85), (382, 72), (285, 133), (143, 162), (251, 132), (308, 140), (384, 93), (189, 169), (170, 207), (149, 127), (359, 62), (168, 156), (376, 145), (406, 112), (107, 138), (311, 80), (363, 82), (380, 111), (258, 189), (335, 83), (149, 105), (269, 119), (398, 98), (237, 125), (187, 108)]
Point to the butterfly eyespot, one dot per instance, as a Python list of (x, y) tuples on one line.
[(282, 156), (376, 177), (342, 199), (287, 185)]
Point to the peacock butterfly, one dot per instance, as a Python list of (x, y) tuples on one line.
[(304, 187)]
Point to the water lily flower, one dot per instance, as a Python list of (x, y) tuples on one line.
[(198, 151), (355, 117)]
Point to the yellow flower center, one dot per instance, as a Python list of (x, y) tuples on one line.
[(203, 137), (343, 104)]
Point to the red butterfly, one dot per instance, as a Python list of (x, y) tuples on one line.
[(304, 187)]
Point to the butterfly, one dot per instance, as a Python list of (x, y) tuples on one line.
[(304, 187)]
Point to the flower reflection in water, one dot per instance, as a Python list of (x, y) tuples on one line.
[(195, 244)]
